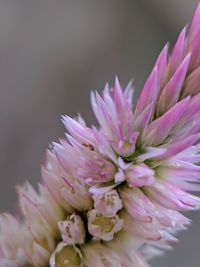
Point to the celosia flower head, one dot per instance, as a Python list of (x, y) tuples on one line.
[(111, 196)]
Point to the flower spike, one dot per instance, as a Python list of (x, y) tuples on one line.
[(113, 195)]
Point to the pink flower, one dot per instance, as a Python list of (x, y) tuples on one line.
[(72, 230), (108, 204), (92, 168), (113, 196), (114, 113), (102, 227), (137, 204), (140, 175)]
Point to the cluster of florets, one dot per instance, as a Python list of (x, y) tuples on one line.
[(111, 196)]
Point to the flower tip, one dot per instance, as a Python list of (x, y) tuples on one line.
[(197, 12), (68, 122), (57, 146), (64, 118), (117, 83), (164, 52), (58, 149), (194, 28), (187, 58)]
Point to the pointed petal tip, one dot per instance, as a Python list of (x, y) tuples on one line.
[(197, 11), (57, 147), (118, 87), (117, 83), (165, 48), (63, 117)]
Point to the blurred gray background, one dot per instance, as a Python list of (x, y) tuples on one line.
[(52, 53)]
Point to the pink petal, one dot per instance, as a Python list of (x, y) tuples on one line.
[(178, 52), (141, 122), (161, 65), (137, 204), (78, 131), (149, 92), (171, 92), (194, 29), (195, 49), (192, 83), (160, 128), (177, 147)]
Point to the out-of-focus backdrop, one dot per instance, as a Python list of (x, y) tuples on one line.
[(52, 53)]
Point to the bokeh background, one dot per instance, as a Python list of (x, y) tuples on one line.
[(52, 53)]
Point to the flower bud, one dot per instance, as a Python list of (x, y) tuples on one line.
[(95, 169), (125, 146), (103, 227), (140, 175), (72, 230), (108, 204), (137, 204)]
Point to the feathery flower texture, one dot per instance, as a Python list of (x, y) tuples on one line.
[(112, 196)]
